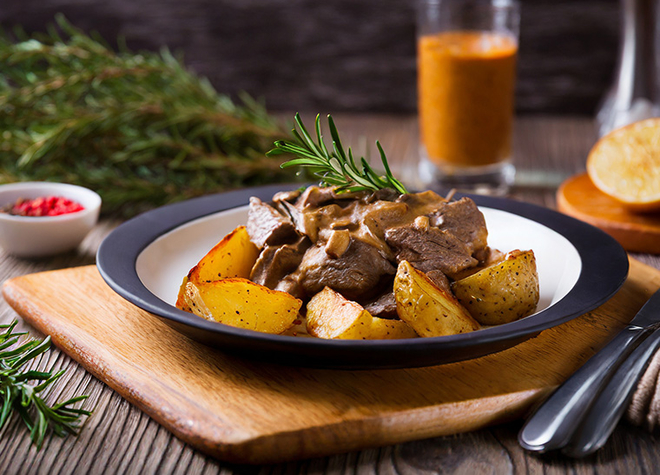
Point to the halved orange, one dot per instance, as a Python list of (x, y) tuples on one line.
[(625, 164)]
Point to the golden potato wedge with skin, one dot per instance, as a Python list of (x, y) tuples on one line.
[(501, 293), (181, 298), (429, 310), (233, 256), (241, 303), (331, 316), (388, 329)]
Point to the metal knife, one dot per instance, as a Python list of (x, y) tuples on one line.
[(555, 424), (613, 400)]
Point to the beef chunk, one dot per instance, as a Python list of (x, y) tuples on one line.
[(316, 197), (424, 201), (489, 256), (355, 274), (430, 249), (305, 222), (267, 226), (288, 196), (383, 307), (384, 194), (439, 279), (463, 219), (291, 284), (275, 262)]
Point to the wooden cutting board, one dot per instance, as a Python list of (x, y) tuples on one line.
[(579, 197), (250, 412)]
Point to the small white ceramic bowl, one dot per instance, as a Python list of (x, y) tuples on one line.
[(27, 236)]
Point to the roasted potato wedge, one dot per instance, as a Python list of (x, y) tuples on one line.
[(233, 256), (181, 298), (330, 315), (429, 310), (388, 329), (501, 293), (241, 303)]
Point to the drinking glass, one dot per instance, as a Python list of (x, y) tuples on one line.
[(466, 63)]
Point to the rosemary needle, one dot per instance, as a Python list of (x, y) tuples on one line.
[(138, 128), (335, 166), (21, 389)]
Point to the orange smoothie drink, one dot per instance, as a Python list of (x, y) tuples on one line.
[(466, 83)]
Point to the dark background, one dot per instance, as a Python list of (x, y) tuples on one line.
[(343, 55)]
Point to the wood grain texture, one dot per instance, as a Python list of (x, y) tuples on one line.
[(248, 412), (121, 439), (579, 197), (350, 55)]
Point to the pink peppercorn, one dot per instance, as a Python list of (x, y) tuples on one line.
[(45, 206)]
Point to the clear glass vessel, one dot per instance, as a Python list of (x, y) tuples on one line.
[(634, 94), (466, 60)]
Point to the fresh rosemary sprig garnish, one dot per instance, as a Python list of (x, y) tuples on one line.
[(19, 394), (334, 167), (140, 129)]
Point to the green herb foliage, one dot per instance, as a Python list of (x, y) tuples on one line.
[(139, 129), (335, 166), (20, 394)]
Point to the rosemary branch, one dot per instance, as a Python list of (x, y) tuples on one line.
[(20, 394), (139, 129), (335, 166)]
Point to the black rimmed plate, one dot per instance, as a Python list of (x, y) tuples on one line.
[(145, 259)]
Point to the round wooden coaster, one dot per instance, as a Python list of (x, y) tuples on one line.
[(579, 197)]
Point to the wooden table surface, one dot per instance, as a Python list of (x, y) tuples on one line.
[(118, 438)]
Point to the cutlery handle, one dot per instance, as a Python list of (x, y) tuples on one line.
[(613, 400), (555, 421)]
